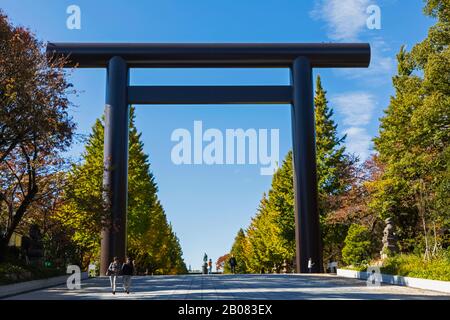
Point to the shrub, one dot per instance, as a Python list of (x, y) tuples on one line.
[(412, 265), (357, 248), (11, 273)]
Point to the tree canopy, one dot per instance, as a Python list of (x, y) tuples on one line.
[(151, 240), (270, 238), (413, 142), (35, 126)]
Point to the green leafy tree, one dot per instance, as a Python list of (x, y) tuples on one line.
[(358, 247), (280, 207), (239, 251), (271, 234), (83, 208), (151, 240), (352, 208), (334, 172), (408, 180), (413, 142), (330, 152), (262, 251)]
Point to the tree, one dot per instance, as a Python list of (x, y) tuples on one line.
[(335, 171), (330, 151), (34, 124), (151, 240), (83, 210), (352, 207), (222, 262), (238, 250), (280, 208), (357, 249), (262, 249), (59, 249), (271, 234), (413, 141)]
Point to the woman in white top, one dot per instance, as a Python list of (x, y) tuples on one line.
[(113, 272)]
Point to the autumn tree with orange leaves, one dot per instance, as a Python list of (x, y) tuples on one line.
[(34, 124)]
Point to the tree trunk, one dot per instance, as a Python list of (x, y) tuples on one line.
[(19, 215), (427, 247), (422, 211), (435, 245)]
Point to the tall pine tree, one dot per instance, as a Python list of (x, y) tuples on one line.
[(239, 252), (271, 234), (330, 151), (151, 240), (333, 170)]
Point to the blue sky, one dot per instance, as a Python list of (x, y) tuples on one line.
[(208, 204)]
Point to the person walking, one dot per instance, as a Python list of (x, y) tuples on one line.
[(310, 265), (233, 263), (127, 272), (210, 266), (113, 272)]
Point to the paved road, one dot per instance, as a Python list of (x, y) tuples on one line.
[(272, 287)]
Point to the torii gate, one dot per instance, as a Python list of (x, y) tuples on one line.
[(301, 58)]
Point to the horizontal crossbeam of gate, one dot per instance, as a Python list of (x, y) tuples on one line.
[(210, 94), (213, 55)]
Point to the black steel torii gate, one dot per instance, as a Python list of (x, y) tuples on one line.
[(301, 58)]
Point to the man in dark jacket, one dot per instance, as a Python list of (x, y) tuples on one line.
[(127, 272), (233, 263)]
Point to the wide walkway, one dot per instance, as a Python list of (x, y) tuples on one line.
[(272, 287)]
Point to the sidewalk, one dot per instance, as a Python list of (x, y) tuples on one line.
[(27, 286)]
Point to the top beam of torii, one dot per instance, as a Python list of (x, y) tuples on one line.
[(214, 55)]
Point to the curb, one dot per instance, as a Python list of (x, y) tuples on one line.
[(426, 284), (33, 285)]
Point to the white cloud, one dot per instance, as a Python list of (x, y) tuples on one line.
[(381, 67), (345, 19), (356, 110), (358, 142)]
